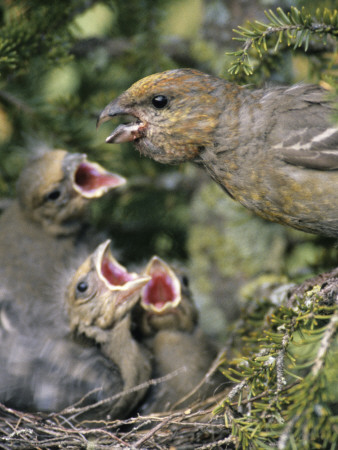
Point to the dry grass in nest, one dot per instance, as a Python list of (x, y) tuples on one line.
[(193, 428)]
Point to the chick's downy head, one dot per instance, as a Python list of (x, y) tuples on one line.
[(101, 292), (53, 190), (176, 114), (166, 301)]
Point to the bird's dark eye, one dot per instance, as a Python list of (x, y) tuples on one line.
[(82, 286), (185, 281), (159, 101), (53, 195)]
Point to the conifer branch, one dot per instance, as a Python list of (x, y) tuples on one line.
[(280, 363), (325, 344), (285, 435), (295, 28), (278, 384)]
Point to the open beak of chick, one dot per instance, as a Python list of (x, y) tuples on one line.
[(162, 294), (102, 292), (126, 132), (125, 287), (89, 179)]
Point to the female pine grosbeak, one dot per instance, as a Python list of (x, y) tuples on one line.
[(274, 150)]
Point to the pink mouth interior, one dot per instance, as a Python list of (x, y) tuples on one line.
[(88, 178), (159, 290), (114, 274)]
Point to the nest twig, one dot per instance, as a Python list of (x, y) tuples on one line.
[(193, 428)]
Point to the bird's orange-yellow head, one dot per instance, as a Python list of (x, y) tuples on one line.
[(176, 114)]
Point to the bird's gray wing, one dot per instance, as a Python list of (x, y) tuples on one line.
[(306, 130), (313, 148)]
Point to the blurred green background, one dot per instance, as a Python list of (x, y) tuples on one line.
[(61, 62)]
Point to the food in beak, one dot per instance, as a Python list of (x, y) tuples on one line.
[(126, 133)]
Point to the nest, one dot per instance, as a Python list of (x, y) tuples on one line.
[(193, 428), (198, 426)]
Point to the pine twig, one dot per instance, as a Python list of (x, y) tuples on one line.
[(227, 440), (284, 437), (325, 344), (296, 26), (280, 363), (76, 411)]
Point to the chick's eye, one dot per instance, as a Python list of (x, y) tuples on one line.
[(185, 281), (53, 195), (82, 286), (159, 101)]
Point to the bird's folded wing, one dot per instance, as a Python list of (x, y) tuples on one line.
[(311, 148)]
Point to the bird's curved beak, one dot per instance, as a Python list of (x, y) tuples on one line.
[(126, 132), (163, 292), (111, 110), (89, 179)]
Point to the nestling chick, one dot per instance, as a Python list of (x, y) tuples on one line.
[(167, 321), (274, 150), (100, 298), (43, 228), (42, 368), (45, 369), (54, 190)]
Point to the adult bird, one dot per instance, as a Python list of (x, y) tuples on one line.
[(274, 150), (167, 322)]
